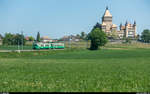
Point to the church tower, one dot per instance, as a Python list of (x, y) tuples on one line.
[(107, 20)]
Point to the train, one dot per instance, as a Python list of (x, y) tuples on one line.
[(49, 45)]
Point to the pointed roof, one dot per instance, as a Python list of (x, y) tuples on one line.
[(106, 7), (134, 22), (126, 23), (120, 24), (107, 13)]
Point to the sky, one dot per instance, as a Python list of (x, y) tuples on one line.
[(57, 18)]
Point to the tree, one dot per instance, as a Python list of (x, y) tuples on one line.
[(114, 34), (1, 37), (13, 39), (145, 37), (8, 39), (83, 35), (19, 39), (98, 38), (128, 40), (38, 39), (138, 37), (78, 36), (31, 38)]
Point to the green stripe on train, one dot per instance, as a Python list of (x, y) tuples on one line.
[(53, 45)]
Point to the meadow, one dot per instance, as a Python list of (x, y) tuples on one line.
[(113, 68)]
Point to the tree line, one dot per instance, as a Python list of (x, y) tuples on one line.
[(97, 37), (13, 39), (17, 39)]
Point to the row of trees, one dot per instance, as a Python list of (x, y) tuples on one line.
[(13, 39), (97, 37), (17, 39), (82, 36)]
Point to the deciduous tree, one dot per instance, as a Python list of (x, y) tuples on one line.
[(145, 37), (98, 38)]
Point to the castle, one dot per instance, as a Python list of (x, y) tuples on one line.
[(128, 30)]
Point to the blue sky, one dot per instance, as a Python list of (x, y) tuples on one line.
[(56, 18)]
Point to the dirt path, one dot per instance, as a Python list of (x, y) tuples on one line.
[(26, 50), (117, 48)]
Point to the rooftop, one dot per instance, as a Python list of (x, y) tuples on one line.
[(107, 13)]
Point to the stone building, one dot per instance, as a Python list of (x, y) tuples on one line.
[(128, 30)]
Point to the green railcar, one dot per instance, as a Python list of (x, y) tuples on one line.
[(50, 45)]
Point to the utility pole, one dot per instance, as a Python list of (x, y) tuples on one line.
[(18, 46), (22, 39), (87, 43), (70, 41)]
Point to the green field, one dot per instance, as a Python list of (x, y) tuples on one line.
[(111, 69), (14, 47)]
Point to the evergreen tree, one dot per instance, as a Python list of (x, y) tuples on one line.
[(38, 37)]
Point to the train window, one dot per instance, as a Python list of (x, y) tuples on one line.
[(47, 45), (42, 45)]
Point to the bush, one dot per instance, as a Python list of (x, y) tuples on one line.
[(128, 40), (98, 38)]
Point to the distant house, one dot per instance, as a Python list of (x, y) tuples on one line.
[(65, 38), (54, 40), (27, 38), (71, 38), (74, 38), (46, 39)]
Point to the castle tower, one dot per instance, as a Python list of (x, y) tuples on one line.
[(107, 20), (126, 29), (120, 25), (134, 26)]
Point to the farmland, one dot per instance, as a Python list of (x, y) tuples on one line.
[(114, 68)]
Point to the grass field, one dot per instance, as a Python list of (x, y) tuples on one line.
[(106, 70), (15, 47)]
